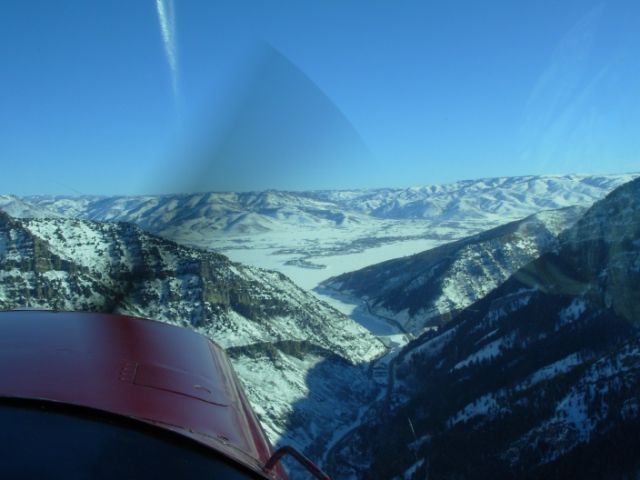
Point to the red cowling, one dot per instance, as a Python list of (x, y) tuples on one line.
[(167, 376)]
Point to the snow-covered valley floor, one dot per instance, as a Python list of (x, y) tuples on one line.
[(309, 257)]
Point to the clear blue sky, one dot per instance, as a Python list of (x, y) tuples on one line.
[(437, 91)]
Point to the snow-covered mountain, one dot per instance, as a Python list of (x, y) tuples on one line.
[(498, 199), (229, 213), (311, 236), (282, 339), (21, 208), (430, 288), (540, 377)]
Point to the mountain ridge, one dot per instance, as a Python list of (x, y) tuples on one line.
[(542, 370), (429, 288), (508, 197)]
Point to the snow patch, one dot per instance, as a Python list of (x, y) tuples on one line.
[(484, 405), (571, 313), (489, 351)]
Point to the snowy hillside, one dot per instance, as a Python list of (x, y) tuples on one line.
[(494, 198), (540, 376), (430, 288), (21, 208)]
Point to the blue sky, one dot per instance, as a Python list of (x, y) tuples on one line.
[(432, 91)]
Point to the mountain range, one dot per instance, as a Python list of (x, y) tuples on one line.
[(526, 356), (429, 288), (538, 379), (488, 202)]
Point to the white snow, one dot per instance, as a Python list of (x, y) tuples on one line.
[(408, 474), (576, 417), (272, 258), (431, 347), (559, 367), (386, 331), (489, 351), (572, 312), (484, 405)]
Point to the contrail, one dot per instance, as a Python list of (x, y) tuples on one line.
[(168, 29)]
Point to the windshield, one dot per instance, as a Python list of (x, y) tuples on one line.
[(413, 226), (41, 441)]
